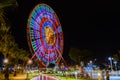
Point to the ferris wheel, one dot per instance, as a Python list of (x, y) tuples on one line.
[(45, 36)]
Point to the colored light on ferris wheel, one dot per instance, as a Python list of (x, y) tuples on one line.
[(45, 34)]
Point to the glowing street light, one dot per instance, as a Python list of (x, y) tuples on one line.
[(99, 76), (5, 61), (29, 62), (110, 59)]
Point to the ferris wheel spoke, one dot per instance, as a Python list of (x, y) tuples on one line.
[(37, 12), (34, 36), (40, 46), (35, 21), (35, 39), (35, 29), (34, 25)]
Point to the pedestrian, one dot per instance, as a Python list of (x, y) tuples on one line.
[(6, 74), (107, 75), (15, 72), (102, 75)]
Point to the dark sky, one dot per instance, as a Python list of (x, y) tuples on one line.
[(86, 24)]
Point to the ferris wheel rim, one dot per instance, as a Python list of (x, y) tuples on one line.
[(28, 28)]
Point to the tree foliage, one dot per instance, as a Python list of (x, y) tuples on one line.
[(74, 54), (78, 55), (5, 36), (115, 57), (7, 3), (8, 47)]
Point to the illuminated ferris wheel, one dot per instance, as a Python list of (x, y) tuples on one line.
[(45, 36)]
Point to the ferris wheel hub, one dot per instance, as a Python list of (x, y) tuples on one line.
[(50, 36)]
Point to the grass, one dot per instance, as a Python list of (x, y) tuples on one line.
[(30, 76), (56, 76)]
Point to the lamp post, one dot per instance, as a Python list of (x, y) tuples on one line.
[(76, 73), (115, 62), (5, 61), (110, 59), (99, 76), (28, 63), (91, 65)]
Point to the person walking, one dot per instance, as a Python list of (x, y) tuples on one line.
[(107, 75), (103, 75), (6, 73)]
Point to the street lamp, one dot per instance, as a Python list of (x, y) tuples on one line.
[(76, 73), (110, 59), (115, 62), (99, 76), (29, 63), (5, 61), (91, 65)]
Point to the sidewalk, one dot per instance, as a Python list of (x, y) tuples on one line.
[(17, 77)]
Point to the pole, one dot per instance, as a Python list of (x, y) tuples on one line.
[(98, 76), (75, 74), (111, 63), (116, 67), (115, 62), (91, 74)]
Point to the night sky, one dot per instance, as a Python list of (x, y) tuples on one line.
[(86, 24)]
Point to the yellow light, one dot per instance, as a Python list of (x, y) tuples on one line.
[(99, 76), (30, 61)]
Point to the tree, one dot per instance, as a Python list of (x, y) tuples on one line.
[(19, 55), (74, 54), (6, 39), (86, 55), (80, 55), (8, 47), (7, 3), (116, 57), (7, 42), (24, 56), (118, 54)]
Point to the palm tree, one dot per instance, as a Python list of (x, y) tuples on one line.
[(7, 3)]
